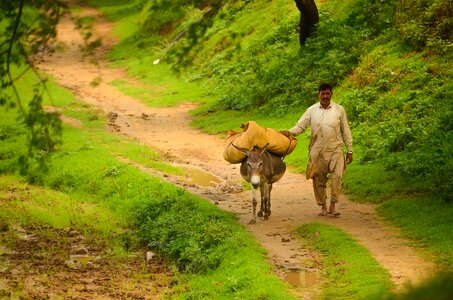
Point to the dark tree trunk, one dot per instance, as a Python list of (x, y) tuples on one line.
[(309, 18)]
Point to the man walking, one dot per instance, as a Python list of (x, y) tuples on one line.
[(329, 131)]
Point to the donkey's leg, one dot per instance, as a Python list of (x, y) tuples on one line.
[(254, 203), (262, 205), (268, 206), (266, 200)]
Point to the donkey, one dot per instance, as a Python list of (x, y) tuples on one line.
[(261, 169)]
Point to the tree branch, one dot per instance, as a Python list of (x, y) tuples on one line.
[(10, 49)]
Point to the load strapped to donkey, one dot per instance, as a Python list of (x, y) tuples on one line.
[(260, 152), (253, 135)]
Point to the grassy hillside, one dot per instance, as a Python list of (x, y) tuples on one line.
[(390, 63)]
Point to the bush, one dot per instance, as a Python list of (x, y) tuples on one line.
[(184, 232), (426, 24)]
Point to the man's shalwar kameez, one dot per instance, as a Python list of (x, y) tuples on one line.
[(329, 131)]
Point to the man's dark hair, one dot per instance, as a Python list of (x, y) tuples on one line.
[(324, 87)]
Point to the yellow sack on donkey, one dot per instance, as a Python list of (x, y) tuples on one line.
[(254, 135)]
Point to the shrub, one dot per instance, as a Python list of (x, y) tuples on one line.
[(426, 24), (184, 232)]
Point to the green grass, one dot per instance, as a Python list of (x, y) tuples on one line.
[(159, 92), (373, 183), (34, 205), (427, 221), (232, 280), (350, 270), (156, 85)]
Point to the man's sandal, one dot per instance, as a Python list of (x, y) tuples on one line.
[(334, 213)]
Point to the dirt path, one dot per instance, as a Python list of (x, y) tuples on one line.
[(168, 131)]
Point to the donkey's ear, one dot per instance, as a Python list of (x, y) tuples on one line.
[(243, 150), (264, 148)]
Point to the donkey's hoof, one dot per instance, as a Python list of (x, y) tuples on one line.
[(260, 214), (266, 218), (252, 221)]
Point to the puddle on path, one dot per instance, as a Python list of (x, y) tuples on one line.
[(199, 177), (302, 278)]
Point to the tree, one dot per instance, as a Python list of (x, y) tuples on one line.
[(309, 18), (26, 27)]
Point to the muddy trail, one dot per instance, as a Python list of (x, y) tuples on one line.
[(168, 131)]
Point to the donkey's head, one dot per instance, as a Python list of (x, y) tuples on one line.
[(252, 166)]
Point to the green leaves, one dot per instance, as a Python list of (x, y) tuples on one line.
[(26, 28), (185, 232), (426, 24)]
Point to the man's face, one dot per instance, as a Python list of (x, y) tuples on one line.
[(324, 98)]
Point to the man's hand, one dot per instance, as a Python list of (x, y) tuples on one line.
[(349, 158), (285, 133)]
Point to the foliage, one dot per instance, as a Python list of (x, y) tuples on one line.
[(400, 105), (273, 74), (194, 238), (426, 24), (25, 29)]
